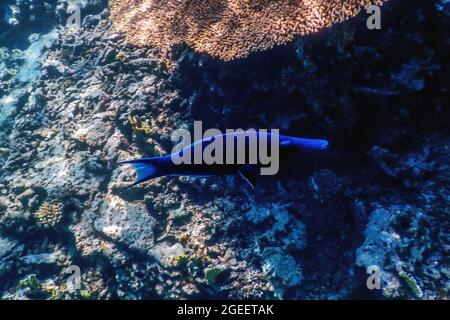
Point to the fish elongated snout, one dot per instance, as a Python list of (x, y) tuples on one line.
[(311, 144), (322, 145)]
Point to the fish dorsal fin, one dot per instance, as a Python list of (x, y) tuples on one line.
[(249, 173)]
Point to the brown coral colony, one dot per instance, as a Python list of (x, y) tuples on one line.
[(227, 29)]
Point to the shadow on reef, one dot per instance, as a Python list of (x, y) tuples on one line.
[(348, 84)]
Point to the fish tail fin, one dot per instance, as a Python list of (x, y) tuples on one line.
[(146, 169)]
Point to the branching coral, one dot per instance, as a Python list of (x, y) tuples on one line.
[(49, 214), (228, 29)]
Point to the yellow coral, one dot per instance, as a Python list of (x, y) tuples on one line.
[(184, 239), (121, 57), (139, 126), (228, 29)]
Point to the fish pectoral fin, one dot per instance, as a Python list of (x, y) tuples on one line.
[(249, 174)]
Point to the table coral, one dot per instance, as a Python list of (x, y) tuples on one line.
[(228, 29)]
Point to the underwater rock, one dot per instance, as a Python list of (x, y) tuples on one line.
[(282, 269), (10, 251), (397, 242), (12, 103), (167, 254), (34, 54), (44, 258), (179, 215), (126, 223)]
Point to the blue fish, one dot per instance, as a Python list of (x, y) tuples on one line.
[(149, 168)]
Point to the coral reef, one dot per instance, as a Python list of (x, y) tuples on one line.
[(231, 29), (380, 196)]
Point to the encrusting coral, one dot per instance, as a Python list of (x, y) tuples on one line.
[(139, 126), (228, 29)]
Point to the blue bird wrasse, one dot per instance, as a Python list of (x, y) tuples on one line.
[(239, 153)]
